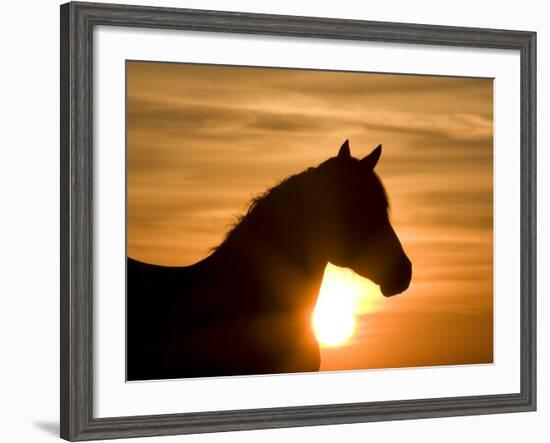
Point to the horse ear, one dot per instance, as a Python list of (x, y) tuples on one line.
[(371, 160), (344, 151)]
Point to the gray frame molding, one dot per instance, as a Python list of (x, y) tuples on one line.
[(77, 24)]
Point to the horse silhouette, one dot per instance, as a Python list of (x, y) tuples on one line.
[(247, 307)]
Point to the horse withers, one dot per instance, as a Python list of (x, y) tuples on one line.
[(246, 308)]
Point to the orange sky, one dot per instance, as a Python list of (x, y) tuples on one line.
[(203, 140)]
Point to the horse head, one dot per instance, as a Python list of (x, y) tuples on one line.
[(355, 229)]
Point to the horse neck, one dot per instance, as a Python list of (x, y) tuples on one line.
[(281, 233)]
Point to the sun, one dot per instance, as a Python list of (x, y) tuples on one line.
[(343, 296), (333, 324)]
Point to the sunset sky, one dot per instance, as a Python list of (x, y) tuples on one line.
[(203, 140)]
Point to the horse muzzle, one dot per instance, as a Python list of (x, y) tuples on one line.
[(399, 280)]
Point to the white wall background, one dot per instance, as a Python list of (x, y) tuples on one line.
[(29, 184)]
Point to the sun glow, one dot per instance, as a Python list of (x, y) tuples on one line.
[(343, 297)]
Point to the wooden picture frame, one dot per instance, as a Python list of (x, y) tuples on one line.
[(77, 23)]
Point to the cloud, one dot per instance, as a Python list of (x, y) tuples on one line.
[(203, 137), (203, 140)]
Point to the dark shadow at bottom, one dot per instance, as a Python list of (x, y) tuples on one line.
[(49, 427)]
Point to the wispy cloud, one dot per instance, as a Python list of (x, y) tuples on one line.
[(203, 140)]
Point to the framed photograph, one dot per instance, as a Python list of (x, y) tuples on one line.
[(273, 221)]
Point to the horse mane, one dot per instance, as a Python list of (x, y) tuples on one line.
[(278, 198), (264, 203)]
